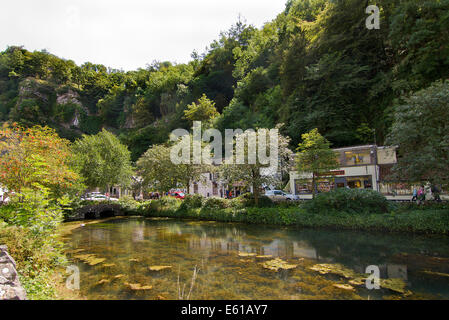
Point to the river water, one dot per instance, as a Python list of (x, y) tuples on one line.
[(141, 258)]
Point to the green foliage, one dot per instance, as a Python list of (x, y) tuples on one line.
[(421, 131), (214, 203), (315, 156), (36, 257), (315, 65), (29, 232), (247, 200), (102, 160), (34, 210), (203, 111), (192, 201), (410, 220), (351, 201)]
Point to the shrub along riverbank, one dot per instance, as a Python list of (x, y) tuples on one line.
[(341, 209)]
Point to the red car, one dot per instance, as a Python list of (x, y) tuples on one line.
[(178, 195)]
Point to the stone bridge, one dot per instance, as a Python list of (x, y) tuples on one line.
[(96, 211)]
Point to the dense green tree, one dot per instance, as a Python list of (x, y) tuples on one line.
[(421, 132), (315, 156), (102, 160), (204, 110), (258, 174)]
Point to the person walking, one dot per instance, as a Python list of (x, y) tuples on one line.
[(415, 194), (421, 195), (436, 193)]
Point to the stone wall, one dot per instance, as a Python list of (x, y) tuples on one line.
[(10, 287)]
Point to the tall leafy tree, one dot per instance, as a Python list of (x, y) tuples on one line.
[(36, 158), (421, 132), (204, 110), (102, 160), (160, 173), (315, 156), (258, 174)]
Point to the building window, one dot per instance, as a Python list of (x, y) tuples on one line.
[(353, 158), (305, 187), (359, 182)]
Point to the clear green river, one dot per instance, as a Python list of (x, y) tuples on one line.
[(142, 258)]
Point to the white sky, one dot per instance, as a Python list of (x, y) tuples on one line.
[(125, 34)]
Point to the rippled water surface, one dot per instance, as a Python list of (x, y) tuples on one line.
[(138, 258)]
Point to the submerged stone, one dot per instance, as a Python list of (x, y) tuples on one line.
[(337, 269), (277, 264), (159, 268), (343, 286), (102, 281), (90, 259), (108, 265), (247, 254), (396, 285), (138, 286)]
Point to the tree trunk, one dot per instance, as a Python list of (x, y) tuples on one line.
[(256, 195), (313, 185)]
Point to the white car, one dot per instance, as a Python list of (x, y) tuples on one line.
[(99, 197), (279, 195)]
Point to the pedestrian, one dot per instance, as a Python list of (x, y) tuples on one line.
[(421, 195), (415, 194), (436, 193)]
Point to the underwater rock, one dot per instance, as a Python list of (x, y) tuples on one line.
[(396, 285), (159, 268), (357, 281), (90, 259), (247, 254), (108, 265), (343, 286), (337, 269), (277, 264), (102, 281), (138, 286), (95, 261)]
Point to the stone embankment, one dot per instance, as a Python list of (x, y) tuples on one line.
[(10, 287)]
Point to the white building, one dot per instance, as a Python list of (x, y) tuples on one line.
[(3, 193), (208, 186), (363, 167)]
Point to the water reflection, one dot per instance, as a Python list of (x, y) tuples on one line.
[(132, 245)]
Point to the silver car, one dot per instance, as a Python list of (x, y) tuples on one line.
[(279, 195)]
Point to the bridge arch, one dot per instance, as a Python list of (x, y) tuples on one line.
[(97, 211)]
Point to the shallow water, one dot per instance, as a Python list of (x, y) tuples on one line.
[(115, 256)]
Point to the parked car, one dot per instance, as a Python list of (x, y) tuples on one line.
[(279, 195), (178, 195)]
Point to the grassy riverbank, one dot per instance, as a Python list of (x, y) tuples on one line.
[(410, 218)]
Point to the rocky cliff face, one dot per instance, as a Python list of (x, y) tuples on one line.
[(10, 287)]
